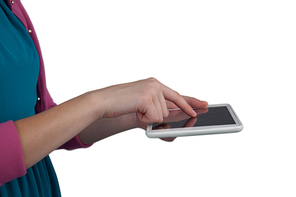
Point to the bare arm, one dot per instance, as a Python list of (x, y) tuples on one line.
[(146, 99), (42, 133)]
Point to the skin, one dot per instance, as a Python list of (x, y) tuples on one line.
[(99, 114)]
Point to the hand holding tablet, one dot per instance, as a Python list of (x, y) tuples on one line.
[(214, 119)]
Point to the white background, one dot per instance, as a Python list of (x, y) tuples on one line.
[(237, 52)]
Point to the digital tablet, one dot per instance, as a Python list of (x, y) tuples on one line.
[(215, 119)]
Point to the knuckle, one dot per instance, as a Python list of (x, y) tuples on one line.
[(160, 120), (157, 119), (152, 91), (154, 83), (152, 79), (146, 97), (177, 94), (154, 119), (166, 114)]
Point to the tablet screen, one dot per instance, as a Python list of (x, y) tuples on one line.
[(214, 116)]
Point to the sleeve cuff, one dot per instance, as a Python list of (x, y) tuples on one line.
[(11, 154), (74, 143)]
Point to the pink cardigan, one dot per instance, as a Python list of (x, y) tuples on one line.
[(11, 155)]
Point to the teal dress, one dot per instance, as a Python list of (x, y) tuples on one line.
[(19, 69)]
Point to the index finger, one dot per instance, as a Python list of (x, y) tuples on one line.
[(178, 100)]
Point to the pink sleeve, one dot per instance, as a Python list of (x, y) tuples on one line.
[(11, 155), (12, 164), (74, 143)]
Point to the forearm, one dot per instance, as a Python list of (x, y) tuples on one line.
[(146, 99), (106, 127), (42, 133)]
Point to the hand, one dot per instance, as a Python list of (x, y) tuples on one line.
[(148, 98)]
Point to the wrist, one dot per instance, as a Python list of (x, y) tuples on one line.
[(98, 101)]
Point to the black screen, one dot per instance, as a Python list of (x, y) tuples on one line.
[(214, 116)]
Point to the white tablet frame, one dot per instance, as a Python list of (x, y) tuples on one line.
[(200, 130)]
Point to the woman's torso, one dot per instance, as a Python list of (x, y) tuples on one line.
[(19, 69)]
